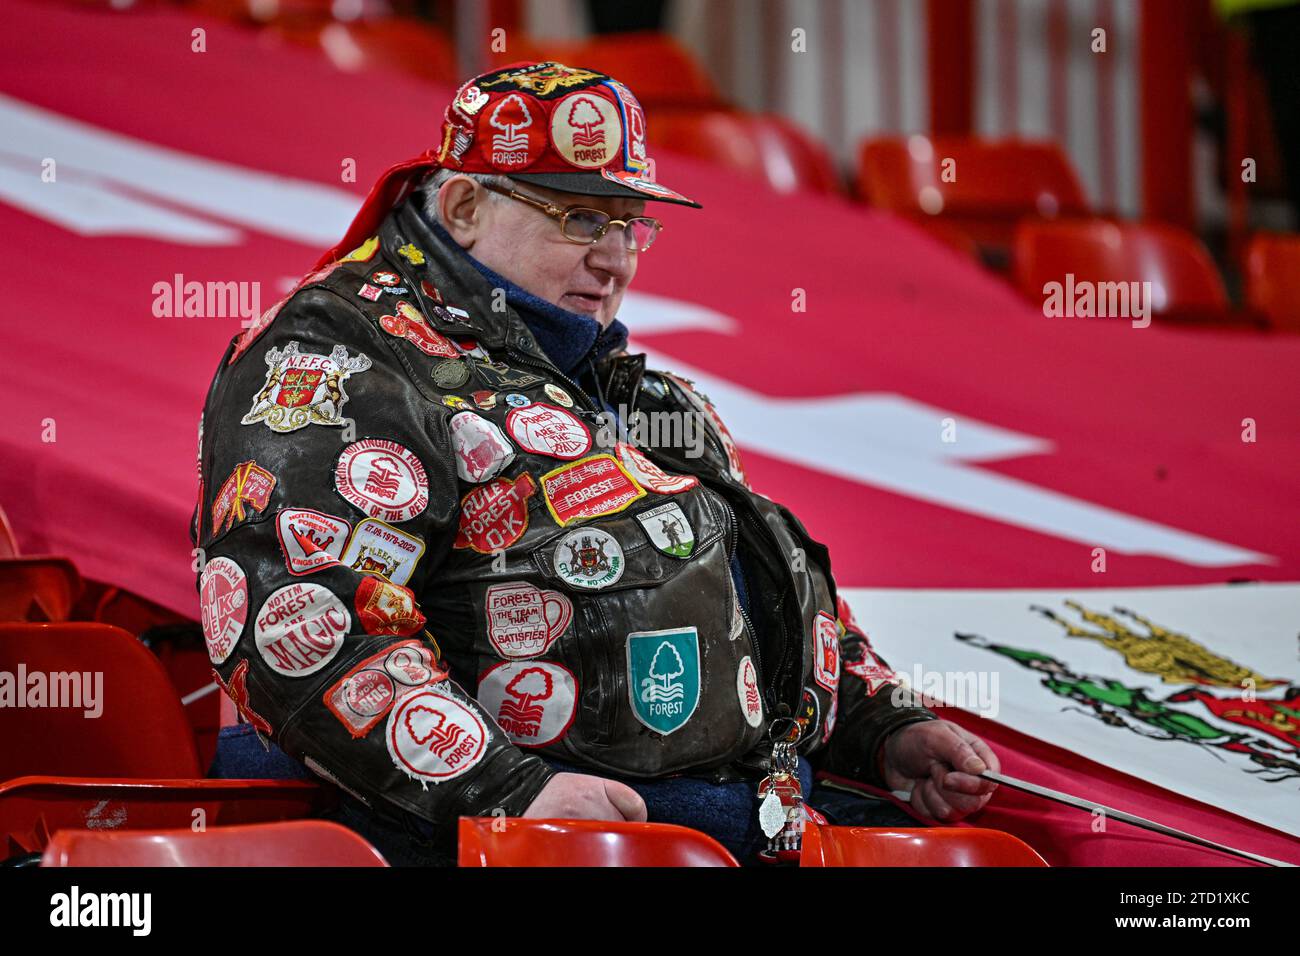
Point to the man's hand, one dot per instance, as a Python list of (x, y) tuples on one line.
[(579, 796), (937, 760)]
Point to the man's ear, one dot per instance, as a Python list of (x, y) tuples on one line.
[(460, 205)]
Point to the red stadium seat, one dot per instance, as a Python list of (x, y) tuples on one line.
[(1184, 281), (994, 184), (658, 69), (294, 843), (922, 846), (415, 47), (1273, 279), (32, 809), (489, 841), (141, 730), (37, 588), (768, 147), (132, 613)]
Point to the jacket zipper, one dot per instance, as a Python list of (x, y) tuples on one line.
[(750, 630), (522, 359)]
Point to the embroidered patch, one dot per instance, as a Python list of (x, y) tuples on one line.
[(223, 605), (383, 479), (585, 130), (512, 135), (649, 475), (377, 548), (300, 628), (523, 620), (663, 677), (482, 450), (826, 651), (751, 701), (668, 529), (304, 388), (387, 608), (589, 558), (371, 292), (549, 430), (249, 486), (433, 736), (362, 697), (534, 703), (589, 488), (495, 516), (309, 539)]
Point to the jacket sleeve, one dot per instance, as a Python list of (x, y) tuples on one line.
[(329, 497), (872, 705)]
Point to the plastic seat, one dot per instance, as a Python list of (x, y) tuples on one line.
[(995, 183), (1273, 279), (922, 846), (140, 731), (132, 613), (37, 588), (294, 843), (765, 146), (490, 841), (659, 70), (32, 809), (410, 45), (1184, 281)]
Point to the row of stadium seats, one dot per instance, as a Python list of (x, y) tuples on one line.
[(484, 842), (124, 787)]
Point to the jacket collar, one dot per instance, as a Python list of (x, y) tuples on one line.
[(567, 338)]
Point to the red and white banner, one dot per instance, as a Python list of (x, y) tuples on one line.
[(926, 423)]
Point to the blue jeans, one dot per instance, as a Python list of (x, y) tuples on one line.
[(727, 812)]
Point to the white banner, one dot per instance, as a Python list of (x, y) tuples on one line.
[(1195, 689)]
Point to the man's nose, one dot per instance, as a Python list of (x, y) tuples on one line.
[(610, 254)]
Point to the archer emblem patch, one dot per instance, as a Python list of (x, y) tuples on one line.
[(668, 529)]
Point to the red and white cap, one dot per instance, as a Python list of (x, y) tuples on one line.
[(566, 128)]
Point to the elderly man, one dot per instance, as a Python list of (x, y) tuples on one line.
[(441, 571)]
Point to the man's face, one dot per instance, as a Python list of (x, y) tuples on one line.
[(526, 246)]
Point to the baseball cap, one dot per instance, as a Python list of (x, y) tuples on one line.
[(570, 129)]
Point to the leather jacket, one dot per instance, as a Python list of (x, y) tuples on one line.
[(424, 558)]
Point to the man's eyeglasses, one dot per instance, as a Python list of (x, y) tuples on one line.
[(587, 226)]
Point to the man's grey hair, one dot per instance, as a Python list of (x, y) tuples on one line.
[(432, 183)]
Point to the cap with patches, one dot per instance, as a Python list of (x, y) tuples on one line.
[(569, 129)]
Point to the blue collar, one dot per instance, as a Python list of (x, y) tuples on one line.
[(567, 338)]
